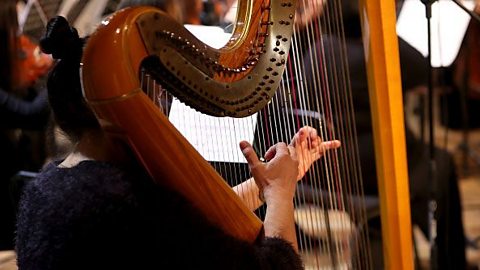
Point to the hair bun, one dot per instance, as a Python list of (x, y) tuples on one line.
[(61, 40)]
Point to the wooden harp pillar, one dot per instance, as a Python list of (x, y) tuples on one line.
[(384, 80)]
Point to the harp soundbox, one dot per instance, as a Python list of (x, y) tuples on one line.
[(240, 79)]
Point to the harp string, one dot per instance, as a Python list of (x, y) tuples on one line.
[(314, 182), (354, 150), (299, 97), (342, 115), (341, 180), (293, 72), (357, 183), (334, 114), (318, 107)]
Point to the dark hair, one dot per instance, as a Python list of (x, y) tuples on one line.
[(70, 109)]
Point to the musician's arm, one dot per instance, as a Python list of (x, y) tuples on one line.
[(276, 180), (309, 148), (249, 193)]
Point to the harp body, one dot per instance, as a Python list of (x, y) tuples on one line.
[(236, 80), (126, 39)]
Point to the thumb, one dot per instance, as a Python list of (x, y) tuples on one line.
[(249, 153)]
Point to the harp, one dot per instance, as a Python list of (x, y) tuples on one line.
[(238, 80)]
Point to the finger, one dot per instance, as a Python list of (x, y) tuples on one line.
[(307, 137), (313, 139), (303, 134), (271, 152), (299, 137), (249, 153), (330, 145), (281, 149)]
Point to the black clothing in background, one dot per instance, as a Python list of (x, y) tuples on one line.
[(97, 216), (24, 114), (22, 147), (461, 105)]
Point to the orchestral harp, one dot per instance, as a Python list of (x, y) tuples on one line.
[(239, 80)]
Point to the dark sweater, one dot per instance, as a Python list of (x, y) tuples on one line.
[(96, 216)]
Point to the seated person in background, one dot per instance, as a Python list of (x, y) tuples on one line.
[(462, 103), (98, 209), (24, 113)]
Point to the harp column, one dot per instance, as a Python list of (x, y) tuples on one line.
[(383, 69)]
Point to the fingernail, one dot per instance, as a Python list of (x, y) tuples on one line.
[(243, 145)]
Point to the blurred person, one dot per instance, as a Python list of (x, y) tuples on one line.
[(24, 112), (192, 10)]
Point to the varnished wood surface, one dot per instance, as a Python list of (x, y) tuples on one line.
[(383, 72)]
